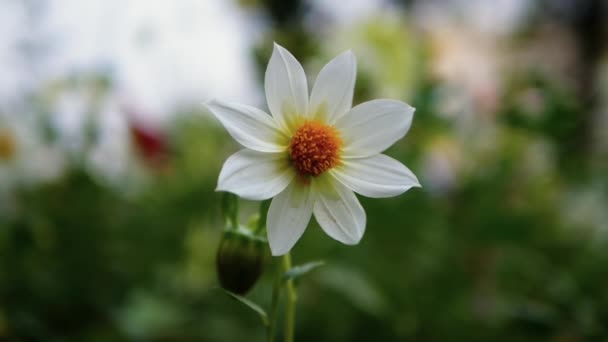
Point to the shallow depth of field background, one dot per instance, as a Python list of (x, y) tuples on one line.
[(109, 222)]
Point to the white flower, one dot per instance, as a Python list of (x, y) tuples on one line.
[(312, 153)]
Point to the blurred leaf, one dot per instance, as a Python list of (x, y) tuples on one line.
[(251, 305), (146, 315), (356, 288), (300, 270)]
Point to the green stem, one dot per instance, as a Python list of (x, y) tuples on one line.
[(274, 305), (263, 214), (290, 301), (230, 210)]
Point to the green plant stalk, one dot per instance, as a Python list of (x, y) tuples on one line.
[(230, 210), (290, 301), (263, 214), (274, 304)]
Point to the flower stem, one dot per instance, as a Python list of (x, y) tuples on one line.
[(262, 219), (274, 304), (290, 301), (230, 210)]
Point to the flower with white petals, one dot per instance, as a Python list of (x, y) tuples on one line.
[(313, 152)]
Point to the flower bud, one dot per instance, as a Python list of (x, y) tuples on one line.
[(240, 260)]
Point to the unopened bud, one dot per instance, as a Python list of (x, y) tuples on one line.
[(240, 259)]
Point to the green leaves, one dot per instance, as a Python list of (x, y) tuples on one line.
[(251, 305), (300, 270)]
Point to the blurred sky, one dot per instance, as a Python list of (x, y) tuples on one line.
[(161, 54), (166, 54)]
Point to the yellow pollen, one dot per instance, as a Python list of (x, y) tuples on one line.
[(314, 148)]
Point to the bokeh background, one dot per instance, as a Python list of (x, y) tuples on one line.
[(109, 222)]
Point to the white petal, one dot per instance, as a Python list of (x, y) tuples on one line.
[(339, 212), (286, 87), (332, 94), (373, 126), (255, 175), (249, 126), (288, 217), (377, 176)]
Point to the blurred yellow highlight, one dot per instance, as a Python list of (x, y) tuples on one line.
[(7, 146)]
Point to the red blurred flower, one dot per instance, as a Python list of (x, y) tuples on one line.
[(150, 142)]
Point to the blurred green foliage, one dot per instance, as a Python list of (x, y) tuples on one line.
[(492, 256)]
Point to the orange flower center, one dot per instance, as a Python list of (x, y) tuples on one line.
[(314, 148)]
